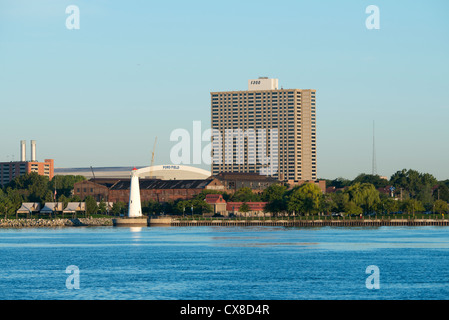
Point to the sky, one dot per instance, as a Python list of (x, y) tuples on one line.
[(136, 70)]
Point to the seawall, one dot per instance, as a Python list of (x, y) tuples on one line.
[(301, 222), (176, 222)]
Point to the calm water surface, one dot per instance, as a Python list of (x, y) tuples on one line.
[(221, 263)]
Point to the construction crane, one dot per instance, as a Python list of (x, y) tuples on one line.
[(93, 174), (152, 159)]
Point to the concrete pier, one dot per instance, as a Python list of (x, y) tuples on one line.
[(130, 222)]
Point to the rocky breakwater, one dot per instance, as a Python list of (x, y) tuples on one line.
[(36, 223)]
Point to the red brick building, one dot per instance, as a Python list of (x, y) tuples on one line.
[(111, 190), (217, 202), (253, 206), (13, 169)]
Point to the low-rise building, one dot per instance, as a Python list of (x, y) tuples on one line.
[(150, 189), (217, 202), (29, 208), (12, 169), (237, 180), (254, 208)]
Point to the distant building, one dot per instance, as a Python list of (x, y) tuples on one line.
[(75, 207), (237, 180), (255, 208), (110, 190), (29, 208), (162, 172), (52, 207), (217, 202), (13, 169), (320, 183), (252, 117)]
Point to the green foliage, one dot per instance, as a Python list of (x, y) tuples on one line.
[(102, 208), (33, 186), (7, 205), (244, 207), (411, 206), (413, 183), (275, 195), (304, 199), (198, 204), (338, 183), (245, 195), (118, 208), (441, 206), (352, 208), (363, 195), (328, 204), (375, 180), (389, 205), (91, 205), (151, 207), (64, 184), (442, 192)]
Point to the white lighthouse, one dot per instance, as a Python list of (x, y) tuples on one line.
[(135, 216), (135, 208)]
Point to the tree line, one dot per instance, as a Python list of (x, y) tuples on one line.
[(407, 191), (32, 187)]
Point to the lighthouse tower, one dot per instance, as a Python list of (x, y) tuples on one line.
[(135, 208)]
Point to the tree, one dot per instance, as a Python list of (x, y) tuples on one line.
[(338, 183), (327, 203), (389, 205), (245, 194), (275, 196), (441, 206), (102, 207), (341, 200), (375, 180), (364, 195), (33, 186), (413, 182), (118, 208), (244, 208), (412, 206), (91, 205), (442, 192), (352, 208), (6, 205), (200, 206), (151, 207), (64, 184), (305, 199)]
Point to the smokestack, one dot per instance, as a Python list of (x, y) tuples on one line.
[(33, 150), (22, 151)]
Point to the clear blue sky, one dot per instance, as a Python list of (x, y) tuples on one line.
[(98, 96)]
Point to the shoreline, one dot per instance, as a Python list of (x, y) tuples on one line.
[(48, 223), (176, 222)]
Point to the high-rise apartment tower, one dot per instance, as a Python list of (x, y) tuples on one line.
[(280, 121)]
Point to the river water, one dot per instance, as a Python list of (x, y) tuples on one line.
[(224, 263)]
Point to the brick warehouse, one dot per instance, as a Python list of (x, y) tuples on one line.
[(114, 190)]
